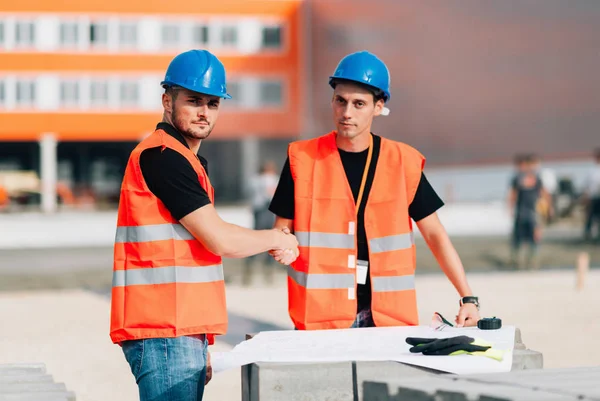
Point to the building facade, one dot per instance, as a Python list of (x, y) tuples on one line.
[(82, 79)]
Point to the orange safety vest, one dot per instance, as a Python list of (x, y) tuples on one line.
[(322, 281), (165, 282)]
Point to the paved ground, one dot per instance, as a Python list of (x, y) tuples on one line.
[(68, 329)]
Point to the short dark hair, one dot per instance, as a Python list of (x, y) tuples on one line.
[(377, 93), (172, 91), (597, 154)]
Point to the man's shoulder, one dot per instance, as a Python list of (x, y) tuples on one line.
[(401, 149), (310, 143)]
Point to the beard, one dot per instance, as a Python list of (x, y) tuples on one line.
[(189, 131)]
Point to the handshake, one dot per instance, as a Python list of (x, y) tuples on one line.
[(286, 250)]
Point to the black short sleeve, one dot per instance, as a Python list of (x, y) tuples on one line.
[(426, 201), (282, 204), (173, 180)]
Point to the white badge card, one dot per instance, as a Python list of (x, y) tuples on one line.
[(362, 267)]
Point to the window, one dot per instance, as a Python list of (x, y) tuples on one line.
[(170, 35), (69, 34), (129, 93), (69, 93), (271, 37), (1, 33), (233, 88), (99, 93), (2, 93), (229, 35), (128, 34), (24, 34), (271, 93), (25, 92), (99, 34), (200, 35)]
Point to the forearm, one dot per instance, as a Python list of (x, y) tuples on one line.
[(449, 261), (240, 242), (225, 239)]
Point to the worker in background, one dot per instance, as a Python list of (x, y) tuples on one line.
[(168, 295), (261, 188), (525, 192), (591, 196), (349, 196)]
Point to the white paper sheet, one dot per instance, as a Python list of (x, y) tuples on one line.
[(366, 344)]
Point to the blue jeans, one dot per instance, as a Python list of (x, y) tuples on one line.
[(168, 369)]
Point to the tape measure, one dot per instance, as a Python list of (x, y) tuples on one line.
[(489, 323)]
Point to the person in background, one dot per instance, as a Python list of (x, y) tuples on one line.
[(591, 196), (524, 195), (261, 189)]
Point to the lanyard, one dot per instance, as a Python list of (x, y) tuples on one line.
[(364, 175)]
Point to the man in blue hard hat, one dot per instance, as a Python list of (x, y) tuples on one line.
[(168, 298), (382, 264)]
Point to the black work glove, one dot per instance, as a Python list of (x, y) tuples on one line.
[(443, 346)]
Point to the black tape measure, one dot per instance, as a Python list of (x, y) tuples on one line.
[(489, 323)]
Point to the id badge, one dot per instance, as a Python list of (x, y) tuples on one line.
[(362, 267)]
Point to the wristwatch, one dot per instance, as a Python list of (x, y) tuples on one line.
[(469, 300)]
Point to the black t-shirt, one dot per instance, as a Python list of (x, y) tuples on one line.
[(171, 177), (528, 187), (425, 202)]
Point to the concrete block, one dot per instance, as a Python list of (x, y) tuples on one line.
[(445, 388), (305, 382), (23, 388), (527, 359), (25, 378), (37, 397), (22, 368)]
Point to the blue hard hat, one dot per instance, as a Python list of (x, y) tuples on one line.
[(199, 71), (365, 68)]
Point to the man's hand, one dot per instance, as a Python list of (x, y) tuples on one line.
[(208, 369), (288, 251), (468, 315)]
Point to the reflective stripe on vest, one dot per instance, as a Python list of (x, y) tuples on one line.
[(321, 281), (391, 243), (156, 232), (325, 240), (167, 275), (393, 283)]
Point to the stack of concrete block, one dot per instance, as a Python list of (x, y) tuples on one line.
[(31, 382), (527, 385)]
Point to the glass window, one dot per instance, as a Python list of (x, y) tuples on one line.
[(69, 93), (128, 34), (129, 93), (233, 88), (25, 92), (99, 34), (229, 35), (2, 93), (24, 33), (69, 33), (271, 37), (171, 35), (99, 93), (200, 35), (271, 93)]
